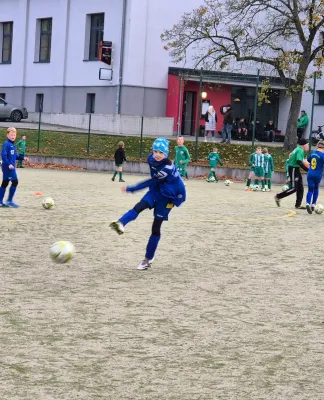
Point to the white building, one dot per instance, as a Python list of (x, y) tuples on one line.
[(49, 54)]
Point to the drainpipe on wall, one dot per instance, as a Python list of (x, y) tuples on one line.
[(121, 59)]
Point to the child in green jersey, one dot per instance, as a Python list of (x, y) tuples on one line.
[(213, 159), (182, 158), (268, 168), (251, 174), (21, 150)]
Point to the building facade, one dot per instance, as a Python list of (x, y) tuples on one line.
[(49, 56)]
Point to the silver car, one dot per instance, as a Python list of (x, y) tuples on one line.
[(12, 112)]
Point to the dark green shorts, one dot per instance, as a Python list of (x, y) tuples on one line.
[(268, 175), (259, 171)]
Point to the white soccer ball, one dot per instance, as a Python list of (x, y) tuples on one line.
[(284, 188), (256, 188), (47, 203), (319, 208), (227, 182), (62, 252), (212, 179)]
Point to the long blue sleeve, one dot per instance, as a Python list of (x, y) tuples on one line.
[(4, 155), (142, 185)]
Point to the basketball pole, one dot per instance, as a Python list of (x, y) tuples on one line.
[(255, 109)]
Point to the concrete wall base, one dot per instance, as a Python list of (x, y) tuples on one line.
[(135, 167)]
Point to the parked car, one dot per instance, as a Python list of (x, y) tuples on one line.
[(12, 112)]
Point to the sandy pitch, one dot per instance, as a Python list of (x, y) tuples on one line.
[(232, 308)]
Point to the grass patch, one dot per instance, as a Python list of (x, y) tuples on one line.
[(75, 145)]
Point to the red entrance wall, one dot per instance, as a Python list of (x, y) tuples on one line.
[(217, 94)]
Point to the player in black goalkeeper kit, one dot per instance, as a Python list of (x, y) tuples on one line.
[(120, 157)]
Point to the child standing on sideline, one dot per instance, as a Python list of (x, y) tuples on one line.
[(314, 175), (268, 168), (182, 157), (213, 159), (120, 157), (166, 190), (258, 163), (9, 158), (21, 147), (251, 174)]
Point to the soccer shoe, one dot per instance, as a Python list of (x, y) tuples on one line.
[(313, 207), (121, 180), (263, 190), (3, 205), (205, 140), (118, 227), (145, 264), (113, 179), (277, 201), (268, 190), (309, 209), (12, 204), (300, 207)]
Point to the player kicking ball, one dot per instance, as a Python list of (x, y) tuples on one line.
[(166, 190)]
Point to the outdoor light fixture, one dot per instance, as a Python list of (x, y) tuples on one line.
[(237, 100), (203, 95)]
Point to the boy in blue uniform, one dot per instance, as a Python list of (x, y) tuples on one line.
[(166, 190), (9, 157), (314, 175)]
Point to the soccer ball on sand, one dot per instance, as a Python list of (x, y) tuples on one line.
[(62, 252), (256, 188), (227, 182), (47, 203), (319, 208)]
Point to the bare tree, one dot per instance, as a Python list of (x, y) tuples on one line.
[(283, 37)]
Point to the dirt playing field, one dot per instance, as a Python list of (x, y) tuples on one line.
[(232, 308)]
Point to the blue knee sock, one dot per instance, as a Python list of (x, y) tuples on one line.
[(152, 246), (2, 193), (12, 192), (128, 217), (309, 196), (315, 195)]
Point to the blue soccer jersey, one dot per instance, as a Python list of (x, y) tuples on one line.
[(316, 161), (165, 181), (9, 157)]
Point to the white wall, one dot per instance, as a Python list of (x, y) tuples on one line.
[(85, 73), (16, 11), (146, 62), (284, 106)]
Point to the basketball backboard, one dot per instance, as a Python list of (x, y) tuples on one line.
[(105, 74)]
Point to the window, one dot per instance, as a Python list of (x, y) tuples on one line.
[(45, 40), (6, 45), (3, 96), (90, 107), (320, 97), (96, 34), (39, 102)]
